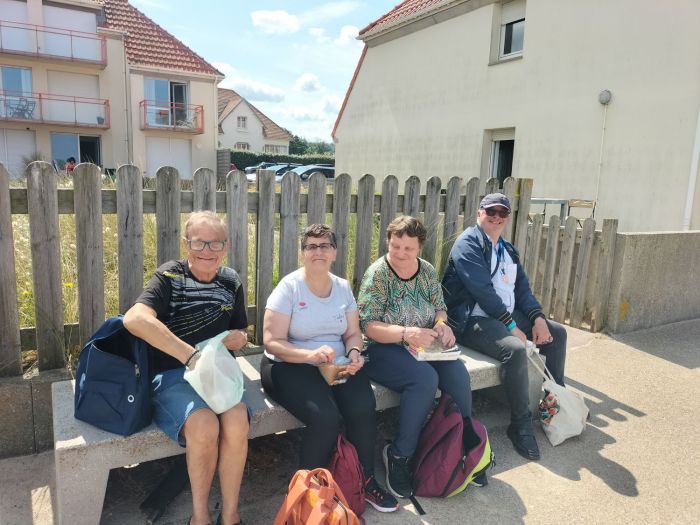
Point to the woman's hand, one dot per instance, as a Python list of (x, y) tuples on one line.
[(235, 340), (420, 337), (447, 337), (323, 354), (356, 362)]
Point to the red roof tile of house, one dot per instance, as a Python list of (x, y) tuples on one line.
[(148, 44), (402, 13), (228, 99)]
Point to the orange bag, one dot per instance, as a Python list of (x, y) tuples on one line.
[(314, 498)]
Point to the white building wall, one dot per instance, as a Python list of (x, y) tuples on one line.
[(421, 103), (253, 134)]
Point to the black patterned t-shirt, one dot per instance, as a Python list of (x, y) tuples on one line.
[(193, 310)]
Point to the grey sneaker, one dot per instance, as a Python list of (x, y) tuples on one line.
[(398, 474)]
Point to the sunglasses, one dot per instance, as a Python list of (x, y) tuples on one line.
[(492, 212)]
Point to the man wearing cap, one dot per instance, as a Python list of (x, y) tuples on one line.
[(493, 311)]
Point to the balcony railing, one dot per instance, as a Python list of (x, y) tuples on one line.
[(160, 115), (52, 42), (60, 110)]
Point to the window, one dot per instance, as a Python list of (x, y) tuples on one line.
[(241, 122), (82, 148), (508, 31), (17, 147), (16, 100), (17, 80), (166, 102), (502, 160), (241, 146), (275, 149)]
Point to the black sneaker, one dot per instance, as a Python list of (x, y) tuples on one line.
[(398, 474), (379, 498), (524, 441), (481, 480)]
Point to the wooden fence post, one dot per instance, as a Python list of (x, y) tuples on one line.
[(492, 186), (363, 230), (449, 231), (605, 266), (265, 246), (289, 224), (10, 346), (204, 186), (532, 252), (316, 199), (129, 234), (237, 217), (341, 222), (389, 208), (471, 202), (509, 191), (521, 220), (581, 277), (411, 196), (550, 260), (42, 203), (87, 199), (564, 277), (167, 214), (432, 219)]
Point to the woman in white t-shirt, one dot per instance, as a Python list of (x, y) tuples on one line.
[(311, 318)]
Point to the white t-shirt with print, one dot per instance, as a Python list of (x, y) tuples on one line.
[(315, 321), (503, 282)]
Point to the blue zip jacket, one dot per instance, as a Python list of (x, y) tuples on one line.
[(467, 281)]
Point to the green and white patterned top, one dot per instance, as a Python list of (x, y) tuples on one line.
[(385, 297)]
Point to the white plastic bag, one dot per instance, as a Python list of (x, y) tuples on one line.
[(570, 418), (217, 378)]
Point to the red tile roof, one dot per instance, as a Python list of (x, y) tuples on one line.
[(229, 99), (402, 13), (148, 44)]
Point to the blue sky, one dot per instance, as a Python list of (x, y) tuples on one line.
[(291, 59)]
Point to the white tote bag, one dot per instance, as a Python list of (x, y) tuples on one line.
[(565, 411), (217, 378)]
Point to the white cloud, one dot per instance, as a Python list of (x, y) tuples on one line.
[(331, 104), (276, 22), (307, 82), (248, 88), (328, 11), (305, 114), (319, 34), (347, 36)]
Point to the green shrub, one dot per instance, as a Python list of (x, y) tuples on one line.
[(243, 159)]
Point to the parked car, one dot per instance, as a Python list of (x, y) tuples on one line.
[(259, 166), (279, 169), (305, 172)]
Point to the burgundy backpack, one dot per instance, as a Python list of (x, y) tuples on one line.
[(348, 473), (446, 460)]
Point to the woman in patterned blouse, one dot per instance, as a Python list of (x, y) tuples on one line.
[(400, 305)]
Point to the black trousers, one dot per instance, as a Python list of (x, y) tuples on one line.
[(301, 389), (491, 337)]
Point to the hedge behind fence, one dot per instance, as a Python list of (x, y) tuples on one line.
[(243, 159)]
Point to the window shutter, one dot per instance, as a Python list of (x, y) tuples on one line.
[(512, 11)]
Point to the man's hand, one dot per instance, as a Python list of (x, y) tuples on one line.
[(540, 332), (235, 340)]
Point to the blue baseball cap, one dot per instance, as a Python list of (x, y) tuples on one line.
[(495, 199)]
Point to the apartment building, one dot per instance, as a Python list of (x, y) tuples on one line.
[(99, 81)]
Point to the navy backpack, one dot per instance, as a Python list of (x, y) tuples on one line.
[(112, 382)]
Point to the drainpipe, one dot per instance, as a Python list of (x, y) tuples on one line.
[(604, 98), (692, 178)]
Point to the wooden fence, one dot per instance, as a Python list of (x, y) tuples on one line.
[(570, 270)]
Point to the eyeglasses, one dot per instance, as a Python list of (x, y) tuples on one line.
[(324, 247), (197, 246), (492, 212)]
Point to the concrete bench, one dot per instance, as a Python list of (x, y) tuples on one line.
[(84, 454)]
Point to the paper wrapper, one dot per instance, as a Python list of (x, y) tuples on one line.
[(330, 372)]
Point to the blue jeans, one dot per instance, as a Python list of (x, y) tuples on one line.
[(491, 337), (392, 366)]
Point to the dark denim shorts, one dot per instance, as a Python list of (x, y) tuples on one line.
[(174, 400)]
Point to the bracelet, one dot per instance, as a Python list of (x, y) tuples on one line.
[(511, 325), (189, 359), (347, 354), (439, 321)]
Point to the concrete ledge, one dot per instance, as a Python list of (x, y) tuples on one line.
[(17, 437), (42, 408), (84, 454)]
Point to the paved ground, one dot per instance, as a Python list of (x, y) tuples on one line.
[(637, 462)]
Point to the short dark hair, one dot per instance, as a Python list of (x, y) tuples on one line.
[(406, 225), (71, 159), (317, 231)]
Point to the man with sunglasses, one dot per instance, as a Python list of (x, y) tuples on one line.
[(493, 310)]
